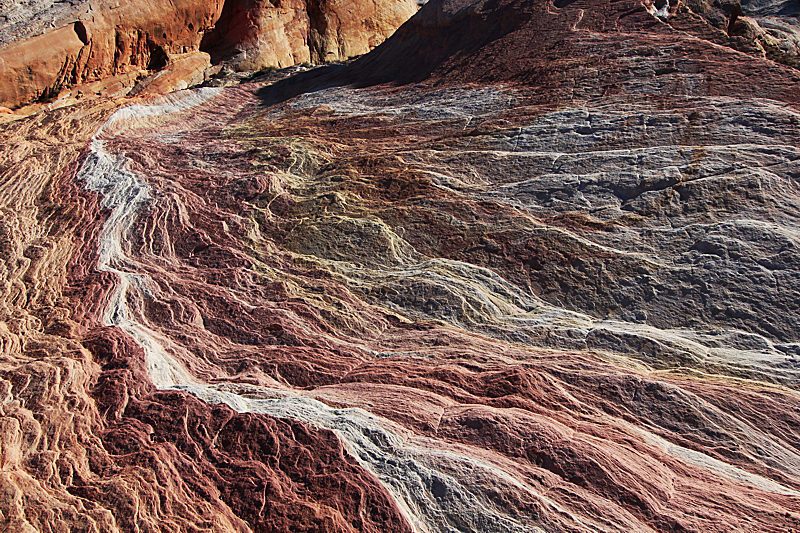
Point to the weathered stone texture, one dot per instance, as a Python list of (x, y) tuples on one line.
[(110, 39), (527, 266)]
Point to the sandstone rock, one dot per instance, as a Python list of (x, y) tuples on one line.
[(551, 285), (622, 46), (109, 40), (181, 71), (252, 34), (40, 66), (112, 39)]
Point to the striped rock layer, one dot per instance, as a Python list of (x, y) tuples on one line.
[(546, 281)]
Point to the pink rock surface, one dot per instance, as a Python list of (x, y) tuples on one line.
[(511, 296)]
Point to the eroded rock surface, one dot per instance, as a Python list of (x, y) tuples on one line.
[(46, 47), (553, 292)]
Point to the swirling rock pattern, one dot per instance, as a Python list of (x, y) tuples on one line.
[(486, 301)]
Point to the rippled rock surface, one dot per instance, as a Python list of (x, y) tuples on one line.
[(541, 275)]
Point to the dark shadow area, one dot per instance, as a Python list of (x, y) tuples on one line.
[(158, 57), (232, 28), (561, 4), (80, 31), (427, 48), (303, 82)]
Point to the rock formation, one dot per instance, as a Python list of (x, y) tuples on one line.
[(527, 266), (93, 42), (251, 34)]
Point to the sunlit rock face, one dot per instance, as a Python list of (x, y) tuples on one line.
[(526, 267), (48, 47)]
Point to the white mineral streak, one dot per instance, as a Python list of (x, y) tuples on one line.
[(137, 115), (375, 442), (715, 465), (436, 489), (124, 194)]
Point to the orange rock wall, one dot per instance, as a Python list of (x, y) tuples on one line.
[(253, 33), (120, 38), (29, 67)]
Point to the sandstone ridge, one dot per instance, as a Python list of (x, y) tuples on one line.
[(97, 41)]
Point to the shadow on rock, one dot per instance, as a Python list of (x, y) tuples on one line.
[(432, 46)]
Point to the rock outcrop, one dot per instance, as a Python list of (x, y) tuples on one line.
[(577, 50), (528, 266), (251, 34), (93, 42)]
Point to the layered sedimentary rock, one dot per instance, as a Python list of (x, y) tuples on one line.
[(47, 47), (551, 285), (88, 443)]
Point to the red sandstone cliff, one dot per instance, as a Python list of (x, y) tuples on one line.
[(122, 38)]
